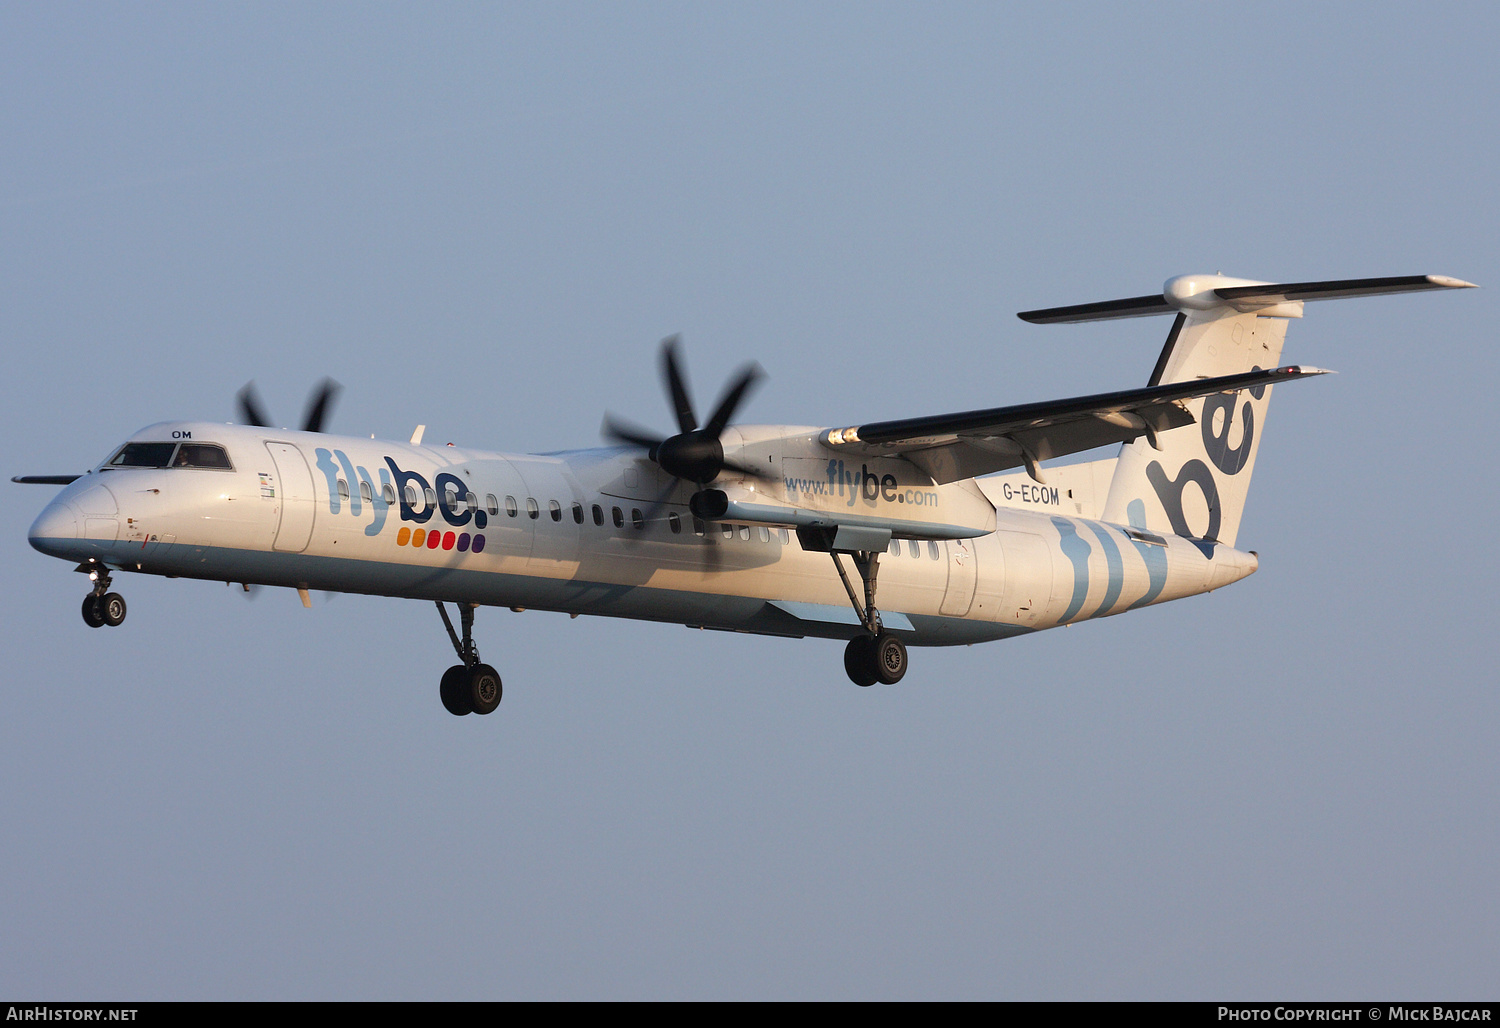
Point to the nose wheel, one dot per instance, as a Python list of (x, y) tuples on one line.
[(102, 607), (471, 687)]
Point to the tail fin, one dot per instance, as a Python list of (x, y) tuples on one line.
[(1224, 326)]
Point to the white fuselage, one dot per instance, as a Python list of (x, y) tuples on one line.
[(604, 532)]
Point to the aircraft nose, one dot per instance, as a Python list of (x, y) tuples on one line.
[(53, 529)]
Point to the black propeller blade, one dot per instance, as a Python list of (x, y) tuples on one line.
[(253, 412), (319, 404), (694, 453)]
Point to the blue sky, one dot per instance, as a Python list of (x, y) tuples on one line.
[(483, 218)]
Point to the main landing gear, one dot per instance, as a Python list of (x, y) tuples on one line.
[(469, 687), (101, 607), (876, 655)]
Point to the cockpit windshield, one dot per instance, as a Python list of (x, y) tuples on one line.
[(201, 455), (143, 455), (171, 455)]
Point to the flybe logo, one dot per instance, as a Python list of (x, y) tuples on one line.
[(411, 494)]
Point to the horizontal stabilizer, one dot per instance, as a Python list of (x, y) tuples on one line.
[(1206, 292)]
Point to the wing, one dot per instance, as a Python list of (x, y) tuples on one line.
[(951, 447)]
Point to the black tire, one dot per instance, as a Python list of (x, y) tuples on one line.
[(112, 609), (485, 689), (455, 692), (93, 611), (889, 659), (859, 660)]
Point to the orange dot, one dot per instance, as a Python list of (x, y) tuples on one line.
[(416, 537), (403, 536)]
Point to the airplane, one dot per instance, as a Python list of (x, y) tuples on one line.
[(955, 531)]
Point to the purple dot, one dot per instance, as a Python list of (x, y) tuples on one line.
[(463, 541), (478, 544)]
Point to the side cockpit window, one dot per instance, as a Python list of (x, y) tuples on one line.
[(202, 455)]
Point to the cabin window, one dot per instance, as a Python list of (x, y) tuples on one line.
[(510, 506), (471, 501), (932, 550), (143, 455), (728, 531), (491, 504), (202, 455), (618, 515), (577, 513), (532, 510), (895, 548), (555, 509), (598, 514), (388, 494), (675, 523), (765, 534), (365, 494), (343, 489), (913, 547), (410, 492), (786, 537), (430, 497), (637, 519), (699, 528)]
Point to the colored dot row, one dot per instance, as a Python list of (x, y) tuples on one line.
[(440, 540)]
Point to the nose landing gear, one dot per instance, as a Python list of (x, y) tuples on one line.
[(101, 607), (469, 687)]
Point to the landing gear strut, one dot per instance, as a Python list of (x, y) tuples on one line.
[(469, 687), (101, 607), (876, 656)]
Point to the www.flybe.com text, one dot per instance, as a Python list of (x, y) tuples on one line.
[(853, 486)]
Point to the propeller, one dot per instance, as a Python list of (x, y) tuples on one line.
[(319, 403), (694, 454)]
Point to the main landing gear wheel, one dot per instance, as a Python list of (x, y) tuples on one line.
[(890, 659), (879, 658), (485, 689), (93, 611), (112, 609), (859, 660), (454, 691)]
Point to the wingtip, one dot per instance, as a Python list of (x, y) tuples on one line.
[(1448, 282)]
